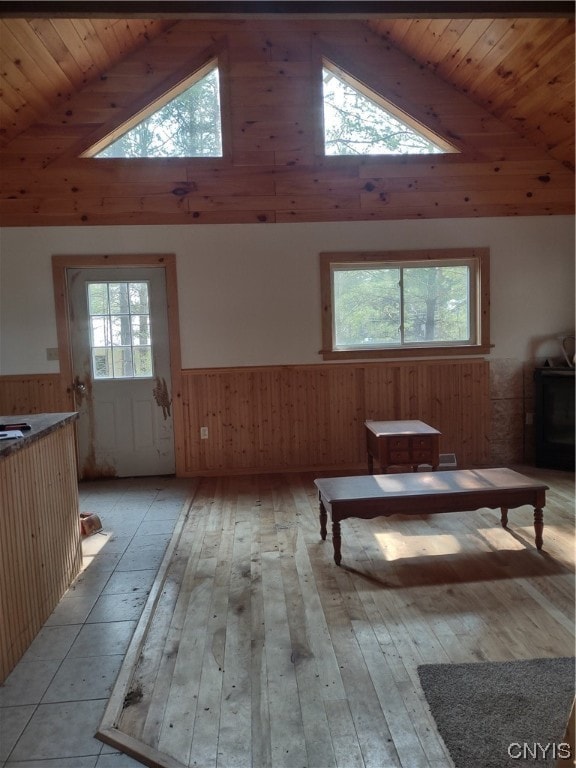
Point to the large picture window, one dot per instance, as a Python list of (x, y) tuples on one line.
[(405, 303)]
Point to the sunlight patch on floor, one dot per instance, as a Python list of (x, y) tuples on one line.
[(91, 546), (513, 538), (397, 546)]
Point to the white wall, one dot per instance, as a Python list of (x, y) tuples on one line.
[(250, 294)]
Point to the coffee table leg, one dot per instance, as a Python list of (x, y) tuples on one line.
[(504, 517), (323, 518), (538, 526), (336, 541)]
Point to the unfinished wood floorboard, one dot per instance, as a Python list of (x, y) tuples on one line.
[(262, 653)]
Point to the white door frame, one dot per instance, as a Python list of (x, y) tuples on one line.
[(162, 261)]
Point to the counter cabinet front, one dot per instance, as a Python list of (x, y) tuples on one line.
[(40, 542)]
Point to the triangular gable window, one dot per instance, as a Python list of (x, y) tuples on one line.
[(187, 124), (357, 121)]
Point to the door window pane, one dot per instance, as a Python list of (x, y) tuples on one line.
[(101, 363), (138, 296), (122, 362), (98, 299), (118, 293), (142, 361), (120, 333), (140, 330), (100, 331)]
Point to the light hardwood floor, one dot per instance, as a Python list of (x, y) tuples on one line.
[(261, 652)]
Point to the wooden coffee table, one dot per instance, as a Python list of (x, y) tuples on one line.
[(464, 490)]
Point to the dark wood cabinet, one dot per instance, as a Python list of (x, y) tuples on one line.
[(554, 417), (398, 443)]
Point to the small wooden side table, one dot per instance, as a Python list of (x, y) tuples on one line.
[(394, 443)]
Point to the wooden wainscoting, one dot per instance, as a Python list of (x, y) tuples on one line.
[(284, 418), (279, 418), (34, 393)]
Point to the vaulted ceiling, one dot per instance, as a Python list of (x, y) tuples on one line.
[(519, 70)]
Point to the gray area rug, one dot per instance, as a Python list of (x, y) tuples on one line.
[(501, 714)]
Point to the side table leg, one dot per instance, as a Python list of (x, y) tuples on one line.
[(323, 518), (370, 464), (504, 517), (336, 541), (538, 526)]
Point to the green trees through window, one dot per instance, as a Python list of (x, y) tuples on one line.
[(187, 126), (187, 122), (403, 303), (355, 124), (120, 337)]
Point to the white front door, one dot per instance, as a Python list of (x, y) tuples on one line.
[(121, 370)]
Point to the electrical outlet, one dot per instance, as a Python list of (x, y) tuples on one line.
[(203, 433), (52, 353)]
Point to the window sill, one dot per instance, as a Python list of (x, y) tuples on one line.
[(398, 354)]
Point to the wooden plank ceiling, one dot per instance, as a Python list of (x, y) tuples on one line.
[(504, 86)]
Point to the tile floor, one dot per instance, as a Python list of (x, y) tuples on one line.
[(52, 702)]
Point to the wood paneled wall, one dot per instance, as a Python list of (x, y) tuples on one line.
[(40, 548), (283, 418), (274, 168), (35, 393)]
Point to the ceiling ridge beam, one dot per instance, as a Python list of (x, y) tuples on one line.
[(287, 8)]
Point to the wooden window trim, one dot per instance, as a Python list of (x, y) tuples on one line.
[(482, 255), (366, 80), (142, 105), (392, 109)]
